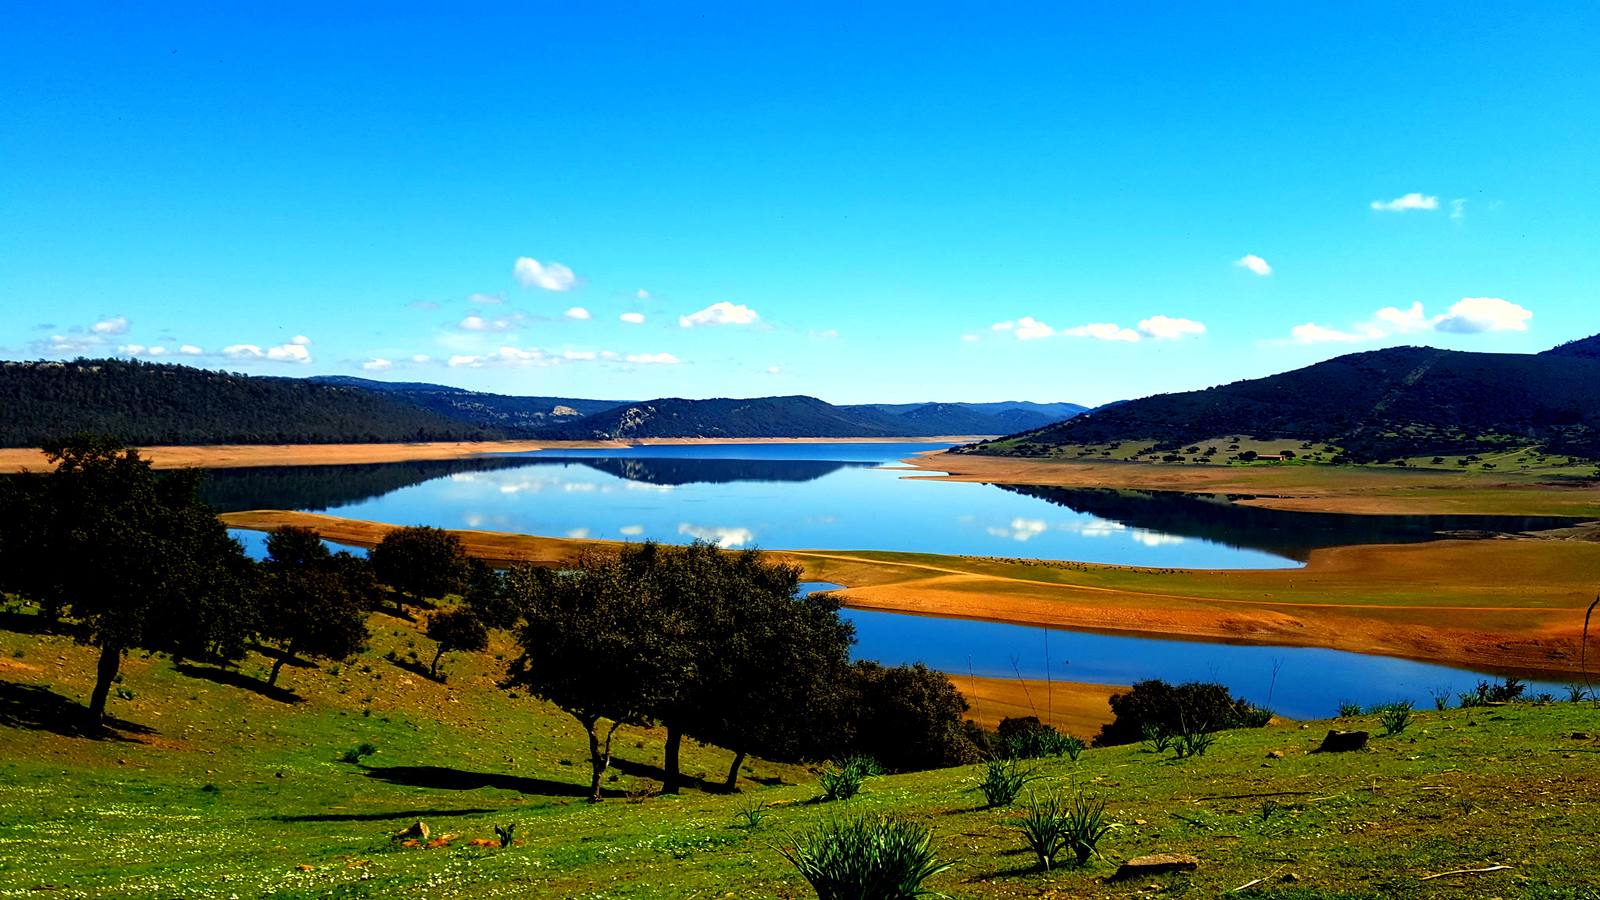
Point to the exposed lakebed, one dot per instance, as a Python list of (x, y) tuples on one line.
[(844, 496)]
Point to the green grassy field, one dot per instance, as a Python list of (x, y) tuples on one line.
[(216, 790)]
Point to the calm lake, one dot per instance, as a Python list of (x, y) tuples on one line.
[(856, 497)]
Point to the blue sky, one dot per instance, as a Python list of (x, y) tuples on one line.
[(896, 203)]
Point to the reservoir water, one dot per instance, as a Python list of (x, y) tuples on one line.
[(858, 497)]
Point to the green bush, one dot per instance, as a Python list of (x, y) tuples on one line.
[(1349, 709), (1050, 827), (1507, 691), (1003, 779), (1395, 717), (1026, 737), (1193, 741), (845, 781), (1157, 737), (1155, 702), (866, 859)]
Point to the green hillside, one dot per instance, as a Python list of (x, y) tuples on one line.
[(1379, 405)]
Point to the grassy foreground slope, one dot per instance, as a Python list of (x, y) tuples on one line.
[(212, 790)]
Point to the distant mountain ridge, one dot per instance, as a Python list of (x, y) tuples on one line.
[(1381, 404), (165, 403)]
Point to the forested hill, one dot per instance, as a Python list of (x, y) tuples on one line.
[(517, 416), (158, 403), (761, 417), (1383, 404)]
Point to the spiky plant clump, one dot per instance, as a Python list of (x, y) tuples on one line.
[(1395, 717), (1044, 829), (866, 858), (1003, 779)]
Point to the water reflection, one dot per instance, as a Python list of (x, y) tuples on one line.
[(1162, 516)]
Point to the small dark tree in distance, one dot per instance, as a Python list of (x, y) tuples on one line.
[(487, 596), (420, 563), (311, 600), (455, 629)]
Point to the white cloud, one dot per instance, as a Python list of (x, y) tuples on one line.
[(1472, 315), (642, 294), (553, 276), (653, 359), (578, 354), (1469, 315), (476, 322), (774, 370), (632, 530), (1021, 529), (486, 299), (1103, 331), (1026, 328), (377, 364), (1458, 208), (301, 340), (191, 350), (720, 313), (113, 325), (826, 334), (1164, 328), (632, 318), (421, 358), (578, 312), (292, 352), (725, 538), (578, 534), (1254, 263), (132, 349), (970, 339), (1406, 202)]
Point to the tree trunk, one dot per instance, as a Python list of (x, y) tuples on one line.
[(285, 654), (671, 778), (433, 668), (732, 784), (110, 661), (599, 753)]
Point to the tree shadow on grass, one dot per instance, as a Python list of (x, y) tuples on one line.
[(447, 779), (35, 708), (381, 816), (24, 623), (646, 770), (414, 667), (239, 680)]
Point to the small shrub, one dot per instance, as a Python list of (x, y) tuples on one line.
[(1155, 702), (1349, 709), (358, 753), (124, 693), (1577, 693), (1395, 717), (1028, 738), (1441, 698), (209, 788), (845, 782), (1044, 829), (866, 858), (1003, 779), (1193, 741), (1086, 824), (1508, 690), (1072, 747), (750, 815), (1256, 717), (506, 833), (1157, 737)]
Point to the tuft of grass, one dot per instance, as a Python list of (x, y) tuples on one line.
[(1044, 829), (506, 833), (1395, 717), (1157, 737), (845, 782), (749, 815), (1085, 825), (1577, 693), (862, 858), (358, 753), (1192, 741), (1349, 709), (1003, 779)]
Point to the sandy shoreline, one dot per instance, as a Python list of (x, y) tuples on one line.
[(1509, 605), (1350, 490), (229, 456)]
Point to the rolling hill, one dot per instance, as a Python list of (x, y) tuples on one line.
[(1378, 405), (163, 403), (160, 403)]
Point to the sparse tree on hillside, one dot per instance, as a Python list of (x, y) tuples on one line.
[(137, 560), (455, 629), (420, 563), (310, 611), (908, 717), (595, 644), (487, 595), (295, 547)]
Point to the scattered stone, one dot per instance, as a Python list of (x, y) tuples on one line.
[(418, 831), (1343, 742), (1275, 754), (1156, 864), (1289, 877), (1580, 735), (1140, 822)]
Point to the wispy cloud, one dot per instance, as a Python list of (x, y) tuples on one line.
[(377, 364), (295, 350), (1170, 328), (486, 299), (632, 318), (652, 359), (720, 313), (498, 324), (552, 276), (1254, 263), (579, 313), (1406, 202), (1159, 327), (1458, 208)]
